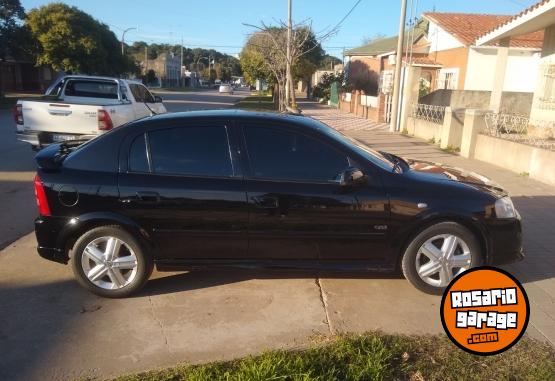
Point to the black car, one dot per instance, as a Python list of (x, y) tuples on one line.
[(252, 190)]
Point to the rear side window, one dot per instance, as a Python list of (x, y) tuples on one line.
[(92, 89), (196, 151), (138, 155), (289, 155)]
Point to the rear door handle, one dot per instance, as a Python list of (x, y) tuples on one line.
[(148, 197), (266, 202)]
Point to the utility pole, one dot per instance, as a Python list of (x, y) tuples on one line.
[(288, 84), (146, 64), (181, 65), (398, 66), (123, 40)]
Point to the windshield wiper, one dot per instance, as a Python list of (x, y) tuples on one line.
[(395, 160)]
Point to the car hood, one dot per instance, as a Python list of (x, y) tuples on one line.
[(444, 172)]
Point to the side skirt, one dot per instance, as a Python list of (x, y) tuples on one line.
[(300, 265)]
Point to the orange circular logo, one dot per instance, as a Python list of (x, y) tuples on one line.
[(485, 311)]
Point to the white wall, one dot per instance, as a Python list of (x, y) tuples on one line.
[(520, 75), (441, 40)]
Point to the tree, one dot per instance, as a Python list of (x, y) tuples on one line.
[(14, 37), (262, 59), (71, 40), (283, 51)]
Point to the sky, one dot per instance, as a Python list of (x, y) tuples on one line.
[(220, 24)]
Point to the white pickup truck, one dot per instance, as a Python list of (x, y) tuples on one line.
[(82, 107)]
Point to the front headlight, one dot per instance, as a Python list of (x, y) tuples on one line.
[(504, 208)]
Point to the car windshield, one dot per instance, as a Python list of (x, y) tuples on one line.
[(361, 148)]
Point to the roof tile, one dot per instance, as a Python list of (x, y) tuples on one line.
[(467, 27)]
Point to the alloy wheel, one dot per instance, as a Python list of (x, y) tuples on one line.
[(441, 258), (109, 263)]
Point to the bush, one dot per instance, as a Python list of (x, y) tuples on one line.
[(323, 89)]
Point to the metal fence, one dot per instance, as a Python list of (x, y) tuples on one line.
[(430, 113), (518, 128)]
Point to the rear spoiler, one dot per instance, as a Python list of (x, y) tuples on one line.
[(52, 157)]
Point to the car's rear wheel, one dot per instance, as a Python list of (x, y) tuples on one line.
[(110, 262), (438, 254)]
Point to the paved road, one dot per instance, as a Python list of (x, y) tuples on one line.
[(199, 100), (51, 329)]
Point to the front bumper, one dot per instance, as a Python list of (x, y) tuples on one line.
[(505, 241)]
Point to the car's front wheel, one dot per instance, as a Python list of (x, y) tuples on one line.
[(110, 262), (438, 254)]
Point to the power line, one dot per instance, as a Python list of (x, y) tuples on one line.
[(347, 15)]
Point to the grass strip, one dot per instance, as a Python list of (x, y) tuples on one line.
[(373, 356)]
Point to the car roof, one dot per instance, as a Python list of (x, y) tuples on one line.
[(235, 115)]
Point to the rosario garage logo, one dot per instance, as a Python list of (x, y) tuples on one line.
[(485, 311)]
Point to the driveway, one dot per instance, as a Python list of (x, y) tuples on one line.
[(51, 329)]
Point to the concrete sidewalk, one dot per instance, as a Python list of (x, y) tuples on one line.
[(51, 329), (534, 200)]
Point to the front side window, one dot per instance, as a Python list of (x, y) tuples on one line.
[(276, 153), (145, 94), (137, 94), (195, 151)]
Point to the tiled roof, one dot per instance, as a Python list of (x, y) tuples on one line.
[(467, 27), (510, 19)]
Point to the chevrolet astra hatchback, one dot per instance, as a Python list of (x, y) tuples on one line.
[(251, 190)]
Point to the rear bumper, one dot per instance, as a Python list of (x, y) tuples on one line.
[(43, 138), (28, 137), (505, 241), (47, 231)]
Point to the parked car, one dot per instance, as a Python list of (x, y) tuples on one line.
[(82, 107), (252, 190), (226, 88)]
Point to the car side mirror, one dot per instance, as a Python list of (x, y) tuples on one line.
[(352, 177), (158, 99)]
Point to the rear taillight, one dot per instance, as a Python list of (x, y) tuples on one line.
[(104, 120), (18, 114), (40, 196)]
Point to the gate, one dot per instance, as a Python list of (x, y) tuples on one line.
[(334, 94)]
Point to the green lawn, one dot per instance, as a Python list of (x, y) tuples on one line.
[(374, 356), (256, 103)]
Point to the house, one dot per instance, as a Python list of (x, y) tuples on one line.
[(377, 58), (443, 46), (539, 18), (467, 66), (167, 68)]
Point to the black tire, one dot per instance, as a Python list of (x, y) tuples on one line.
[(408, 263), (144, 261)]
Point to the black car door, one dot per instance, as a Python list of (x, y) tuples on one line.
[(182, 185), (297, 207)]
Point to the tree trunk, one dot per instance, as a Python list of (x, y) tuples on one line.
[(292, 89)]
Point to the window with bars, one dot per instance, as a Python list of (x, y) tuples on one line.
[(448, 79), (386, 82)]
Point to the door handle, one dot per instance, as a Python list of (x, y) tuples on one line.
[(148, 197), (266, 202)]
